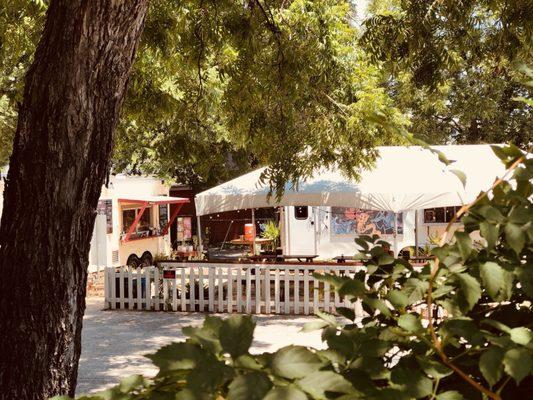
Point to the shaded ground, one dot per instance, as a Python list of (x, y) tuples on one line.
[(114, 342)]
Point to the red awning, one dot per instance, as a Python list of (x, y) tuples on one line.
[(153, 200)]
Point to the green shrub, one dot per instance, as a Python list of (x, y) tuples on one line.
[(478, 343)]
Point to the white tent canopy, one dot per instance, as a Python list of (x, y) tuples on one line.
[(404, 178)]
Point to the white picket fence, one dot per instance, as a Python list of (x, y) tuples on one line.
[(226, 288)]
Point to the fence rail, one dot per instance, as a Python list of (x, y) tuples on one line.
[(226, 288)]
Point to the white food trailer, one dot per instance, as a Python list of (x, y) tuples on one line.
[(408, 190), (132, 223), (330, 231)]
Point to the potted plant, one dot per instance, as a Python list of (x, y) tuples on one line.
[(270, 230)]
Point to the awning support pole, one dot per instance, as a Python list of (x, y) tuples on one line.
[(416, 233), (253, 230), (132, 227), (199, 233), (172, 218), (395, 235)]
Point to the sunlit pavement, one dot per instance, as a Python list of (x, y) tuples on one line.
[(114, 342)]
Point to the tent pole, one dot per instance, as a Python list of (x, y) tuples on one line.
[(199, 226), (416, 233), (253, 230), (395, 235)]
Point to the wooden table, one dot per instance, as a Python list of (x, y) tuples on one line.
[(250, 243)]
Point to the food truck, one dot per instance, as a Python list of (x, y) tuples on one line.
[(132, 222)]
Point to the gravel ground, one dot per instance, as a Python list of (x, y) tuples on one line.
[(114, 342)]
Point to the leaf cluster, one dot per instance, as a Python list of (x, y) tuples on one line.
[(456, 66)]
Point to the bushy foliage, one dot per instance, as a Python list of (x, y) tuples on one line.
[(224, 85), (478, 344), (456, 66), (218, 87)]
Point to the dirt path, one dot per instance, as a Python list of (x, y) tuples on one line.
[(114, 342)]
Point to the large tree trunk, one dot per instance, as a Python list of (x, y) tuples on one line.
[(72, 97)]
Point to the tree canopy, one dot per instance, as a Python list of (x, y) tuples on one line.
[(456, 67), (220, 86)]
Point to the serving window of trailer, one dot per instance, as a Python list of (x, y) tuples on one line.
[(128, 217), (439, 215)]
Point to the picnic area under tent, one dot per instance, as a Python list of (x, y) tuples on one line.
[(403, 179)]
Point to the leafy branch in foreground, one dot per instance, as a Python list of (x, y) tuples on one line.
[(480, 311)]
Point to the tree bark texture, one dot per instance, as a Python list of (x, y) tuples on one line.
[(72, 97)]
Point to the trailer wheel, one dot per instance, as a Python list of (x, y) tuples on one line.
[(147, 259), (133, 261)]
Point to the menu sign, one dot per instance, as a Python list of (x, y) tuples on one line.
[(163, 215), (105, 207), (184, 228)]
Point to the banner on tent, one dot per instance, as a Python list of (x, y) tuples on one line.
[(354, 221)]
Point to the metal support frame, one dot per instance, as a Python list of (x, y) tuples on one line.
[(253, 226), (395, 246), (199, 233), (416, 233)]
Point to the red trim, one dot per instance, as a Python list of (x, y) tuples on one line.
[(170, 201), (143, 238), (132, 227), (172, 218)]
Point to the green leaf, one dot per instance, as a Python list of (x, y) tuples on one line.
[(521, 335), (413, 382), (435, 369), (490, 213), (489, 232), (320, 382), (346, 312), (492, 276), (520, 215), (129, 383), (517, 363), (410, 323), (464, 244), (377, 304), (460, 174), (415, 289), (363, 243), (470, 289), (176, 356), (252, 386), (450, 395), (295, 362), (248, 362), (385, 259), (490, 364), (285, 393), (398, 299), (353, 288), (329, 318), (525, 276), (236, 334), (515, 236), (314, 326)]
